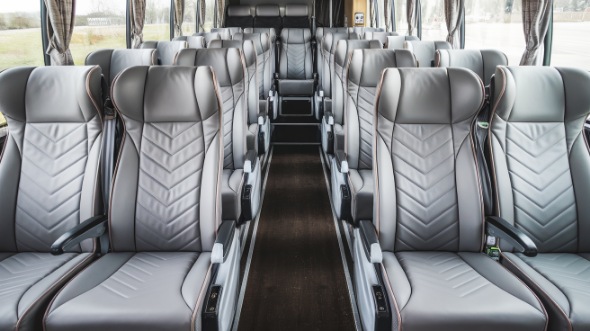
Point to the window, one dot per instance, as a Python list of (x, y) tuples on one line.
[(189, 25), (99, 24), (20, 34), (401, 22), (571, 34), (157, 20), (495, 24), (433, 20)]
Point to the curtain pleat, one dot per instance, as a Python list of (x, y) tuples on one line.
[(178, 17), (60, 27), (221, 13), (411, 12), (453, 15), (202, 9), (535, 22), (137, 21)]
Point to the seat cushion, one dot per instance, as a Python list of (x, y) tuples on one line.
[(133, 291), (28, 281), (459, 291), (231, 188), (562, 281), (361, 190), (296, 87)]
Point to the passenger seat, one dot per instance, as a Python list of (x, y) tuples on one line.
[(483, 62), (352, 167), (167, 50), (209, 36), (379, 35), (48, 179), (239, 16), (268, 16), (241, 177), (425, 50), (196, 42), (227, 33), (397, 42), (296, 16)]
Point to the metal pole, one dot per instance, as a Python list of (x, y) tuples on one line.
[(393, 27), (331, 24), (172, 20)]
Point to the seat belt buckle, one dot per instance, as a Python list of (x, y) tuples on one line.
[(483, 124), (492, 249)]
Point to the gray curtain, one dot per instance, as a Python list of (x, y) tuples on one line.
[(220, 13), (202, 8), (178, 17), (411, 12), (372, 17), (387, 11), (60, 26), (453, 15), (535, 21), (137, 21)]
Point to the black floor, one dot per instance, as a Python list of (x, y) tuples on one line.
[(296, 279)]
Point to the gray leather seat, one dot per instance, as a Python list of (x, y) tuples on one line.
[(241, 169), (334, 109), (425, 50), (227, 33), (113, 61), (397, 42), (379, 35), (239, 16), (209, 36), (483, 62), (196, 42), (258, 137), (296, 16), (359, 31), (272, 36), (429, 218), (328, 48), (167, 50), (165, 222), (362, 78), (320, 33), (540, 170), (268, 16), (265, 74), (47, 178)]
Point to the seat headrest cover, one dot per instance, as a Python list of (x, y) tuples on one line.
[(409, 95), (294, 10), (165, 103), (247, 47), (227, 63), (345, 48), (296, 36), (67, 94), (482, 62), (261, 41), (238, 11), (541, 94), (367, 65), (272, 34), (267, 10)]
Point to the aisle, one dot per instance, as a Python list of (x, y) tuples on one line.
[(296, 279)]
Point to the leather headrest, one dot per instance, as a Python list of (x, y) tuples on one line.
[(267, 10)]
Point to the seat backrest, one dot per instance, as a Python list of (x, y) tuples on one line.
[(268, 16), (363, 76), (379, 35), (49, 165), (167, 50), (113, 61), (427, 194), (359, 31), (196, 42), (483, 62), (342, 55), (263, 66), (230, 70), (295, 60), (208, 37), (239, 16), (272, 36), (328, 49), (425, 50), (540, 155), (227, 33), (397, 42), (249, 53), (165, 194), (296, 16), (271, 32)]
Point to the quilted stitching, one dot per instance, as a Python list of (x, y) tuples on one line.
[(296, 55), (228, 106), (167, 211), (423, 161), (53, 167), (365, 101), (544, 200)]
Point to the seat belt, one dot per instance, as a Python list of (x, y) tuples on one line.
[(107, 156)]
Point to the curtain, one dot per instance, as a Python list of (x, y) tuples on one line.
[(411, 12), (60, 26), (202, 8), (220, 13), (178, 17), (453, 15), (535, 21), (372, 17), (137, 21), (386, 14)]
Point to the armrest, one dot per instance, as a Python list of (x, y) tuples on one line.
[(370, 241), (262, 111), (225, 236), (250, 161), (329, 117), (498, 227), (341, 162), (91, 228)]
